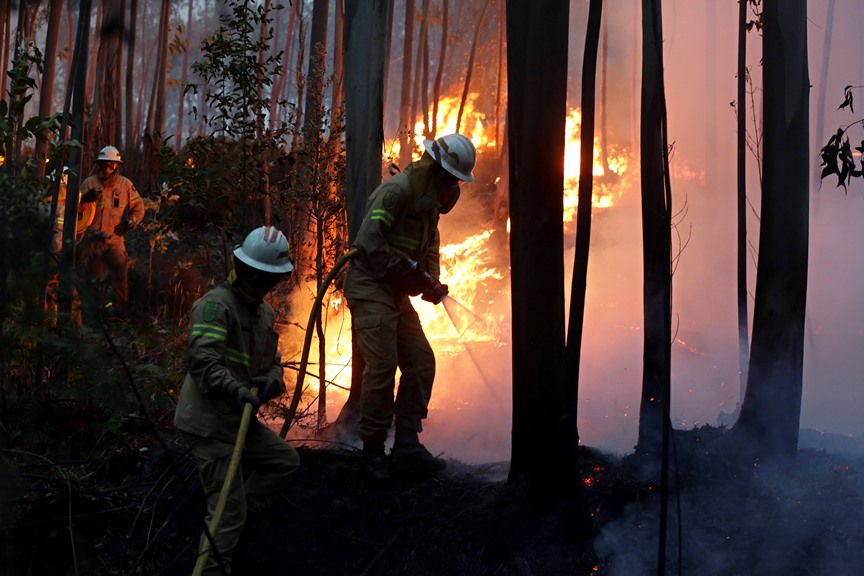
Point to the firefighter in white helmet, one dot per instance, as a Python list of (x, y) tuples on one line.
[(233, 347), (119, 210), (397, 245)]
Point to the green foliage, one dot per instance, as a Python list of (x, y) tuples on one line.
[(56, 385), (236, 67)]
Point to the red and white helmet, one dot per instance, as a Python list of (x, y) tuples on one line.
[(109, 154), (455, 153), (265, 249)]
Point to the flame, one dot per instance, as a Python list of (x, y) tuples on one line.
[(472, 125), (467, 266), (606, 188)]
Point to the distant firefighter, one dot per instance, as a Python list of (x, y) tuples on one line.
[(119, 209)]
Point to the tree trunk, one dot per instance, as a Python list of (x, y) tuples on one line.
[(568, 432), (181, 109), (278, 95), (416, 98), (823, 86), (79, 97), (771, 412), (336, 114), (537, 33), (743, 316), (470, 68), (656, 241), (7, 42), (46, 96), (365, 41), (131, 147), (442, 59), (406, 123)]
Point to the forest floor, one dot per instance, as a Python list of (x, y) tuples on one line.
[(129, 508)]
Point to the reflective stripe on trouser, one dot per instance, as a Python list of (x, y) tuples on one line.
[(267, 462), (390, 336)]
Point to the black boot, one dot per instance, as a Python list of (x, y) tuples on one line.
[(410, 456), (375, 464)]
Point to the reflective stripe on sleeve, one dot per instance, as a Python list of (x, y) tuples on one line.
[(209, 330), (236, 356), (383, 216)]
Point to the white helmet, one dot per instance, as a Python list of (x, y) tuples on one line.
[(265, 249), (109, 154), (455, 153)]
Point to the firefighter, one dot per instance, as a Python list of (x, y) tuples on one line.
[(397, 257), (119, 210), (232, 348)]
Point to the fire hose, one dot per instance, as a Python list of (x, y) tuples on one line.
[(226, 485)]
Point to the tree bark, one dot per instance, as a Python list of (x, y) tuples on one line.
[(537, 33), (656, 241), (46, 96), (406, 122), (470, 68), (741, 256), (442, 59), (181, 108), (771, 412), (365, 41)]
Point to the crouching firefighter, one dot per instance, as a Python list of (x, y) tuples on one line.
[(233, 348), (397, 257)]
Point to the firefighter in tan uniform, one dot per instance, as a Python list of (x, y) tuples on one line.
[(232, 348), (398, 257), (119, 209)]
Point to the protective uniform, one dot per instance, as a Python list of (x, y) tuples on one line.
[(231, 342), (232, 346), (397, 227), (398, 244), (119, 209)]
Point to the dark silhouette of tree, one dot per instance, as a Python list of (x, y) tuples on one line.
[(537, 33), (771, 411), (656, 240)]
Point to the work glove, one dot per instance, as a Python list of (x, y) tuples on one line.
[(435, 293), (268, 390), (125, 227), (90, 195), (416, 281), (243, 396)]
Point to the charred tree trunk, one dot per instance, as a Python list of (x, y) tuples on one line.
[(365, 41), (656, 241), (771, 412), (79, 97), (741, 256), (537, 33), (568, 433)]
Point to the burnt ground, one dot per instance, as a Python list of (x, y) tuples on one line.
[(124, 510)]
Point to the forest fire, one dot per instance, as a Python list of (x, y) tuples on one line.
[(469, 265)]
